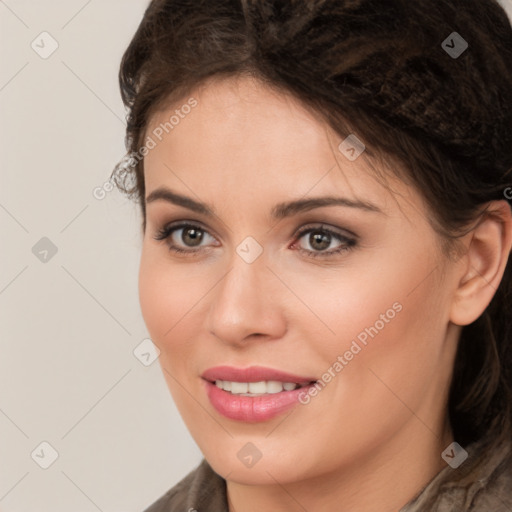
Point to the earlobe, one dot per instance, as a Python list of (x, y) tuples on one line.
[(487, 254)]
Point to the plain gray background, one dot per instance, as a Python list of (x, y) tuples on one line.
[(70, 320)]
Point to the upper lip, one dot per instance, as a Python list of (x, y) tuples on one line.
[(253, 374)]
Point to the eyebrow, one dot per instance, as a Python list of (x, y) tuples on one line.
[(279, 211)]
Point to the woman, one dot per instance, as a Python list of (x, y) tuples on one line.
[(324, 191)]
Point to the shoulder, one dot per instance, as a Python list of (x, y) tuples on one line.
[(202, 489), (493, 490), (481, 484)]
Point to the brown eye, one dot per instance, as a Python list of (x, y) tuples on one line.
[(192, 236), (319, 239), (184, 238)]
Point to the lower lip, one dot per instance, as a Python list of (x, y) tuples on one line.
[(252, 409)]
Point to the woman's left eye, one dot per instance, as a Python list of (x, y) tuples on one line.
[(321, 238), (188, 238)]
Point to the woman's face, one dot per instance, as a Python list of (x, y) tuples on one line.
[(273, 283)]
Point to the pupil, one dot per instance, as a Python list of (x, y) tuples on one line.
[(322, 239), (194, 235)]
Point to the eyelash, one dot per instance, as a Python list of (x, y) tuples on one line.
[(349, 243)]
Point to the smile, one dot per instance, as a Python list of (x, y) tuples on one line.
[(253, 394)]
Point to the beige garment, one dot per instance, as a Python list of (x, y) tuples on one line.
[(482, 483)]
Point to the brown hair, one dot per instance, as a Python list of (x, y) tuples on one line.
[(382, 66)]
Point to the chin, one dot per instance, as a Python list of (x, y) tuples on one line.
[(235, 464)]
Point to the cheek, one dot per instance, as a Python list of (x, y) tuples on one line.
[(345, 305), (166, 296), (393, 348), (386, 316)]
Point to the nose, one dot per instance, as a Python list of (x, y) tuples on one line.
[(245, 304)]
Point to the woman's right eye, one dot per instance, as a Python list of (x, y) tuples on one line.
[(184, 237)]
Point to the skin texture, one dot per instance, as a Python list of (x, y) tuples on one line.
[(243, 149)]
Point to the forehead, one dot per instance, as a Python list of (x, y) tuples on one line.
[(243, 137), (239, 118)]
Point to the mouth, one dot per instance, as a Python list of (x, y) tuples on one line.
[(253, 394)]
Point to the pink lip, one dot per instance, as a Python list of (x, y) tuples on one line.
[(252, 409), (252, 374)]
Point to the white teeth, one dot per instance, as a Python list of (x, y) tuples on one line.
[(255, 388), (274, 386), (239, 387), (258, 387)]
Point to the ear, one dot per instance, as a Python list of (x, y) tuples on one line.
[(488, 249)]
